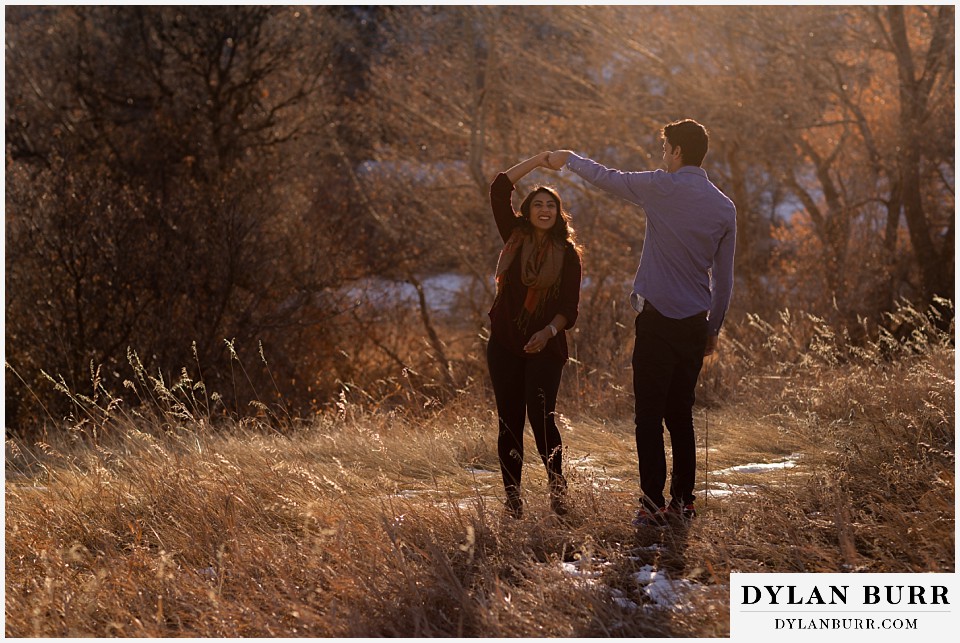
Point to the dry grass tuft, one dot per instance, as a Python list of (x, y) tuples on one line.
[(375, 523)]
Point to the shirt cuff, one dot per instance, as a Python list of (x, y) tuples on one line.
[(570, 160)]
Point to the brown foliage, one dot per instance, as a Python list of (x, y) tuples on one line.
[(181, 177)]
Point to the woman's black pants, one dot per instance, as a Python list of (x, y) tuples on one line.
[(525, 386)]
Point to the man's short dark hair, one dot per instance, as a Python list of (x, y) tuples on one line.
[(692, 138)]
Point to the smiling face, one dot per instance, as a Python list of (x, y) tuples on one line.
[(544, 211)]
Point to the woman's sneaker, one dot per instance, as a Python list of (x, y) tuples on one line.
[(558, 496), (514, 506)]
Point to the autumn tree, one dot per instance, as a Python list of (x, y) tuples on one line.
[(165, 193), (181, 175), (823, 149)]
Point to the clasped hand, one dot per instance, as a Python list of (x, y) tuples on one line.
[(556, 159)]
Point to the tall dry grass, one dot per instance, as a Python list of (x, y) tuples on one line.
[(167, 521)]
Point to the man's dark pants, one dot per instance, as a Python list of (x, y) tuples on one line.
[(667, 358)]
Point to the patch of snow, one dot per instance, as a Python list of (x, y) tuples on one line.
[(621, 601), (761, 467), (722, 490), (585, 570), (479, 472), (440, 291), (721, 493), (647, 574), (654, 585), (574, 570), (670, 593), (625, 603), (605, 484), (662, 591), (470, 503), (584, 567)]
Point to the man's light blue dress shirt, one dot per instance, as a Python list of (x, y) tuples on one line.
[(690, 238)]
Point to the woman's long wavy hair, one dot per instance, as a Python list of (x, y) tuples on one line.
[(562, 230)]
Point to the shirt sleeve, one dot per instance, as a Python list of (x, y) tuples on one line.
[(631, 186), (722, 281), (501, 191), (570, 288)]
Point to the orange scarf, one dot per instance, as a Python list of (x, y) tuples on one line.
[(540, 267)]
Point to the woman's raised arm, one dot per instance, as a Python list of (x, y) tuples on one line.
[(523, 168)]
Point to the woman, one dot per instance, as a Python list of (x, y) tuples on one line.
[(537, 300)]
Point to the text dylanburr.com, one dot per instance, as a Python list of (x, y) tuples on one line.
[(847, 607)]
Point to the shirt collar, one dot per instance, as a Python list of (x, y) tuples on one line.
[(692, 169)]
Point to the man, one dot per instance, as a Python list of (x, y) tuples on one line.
[(681, 293)]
